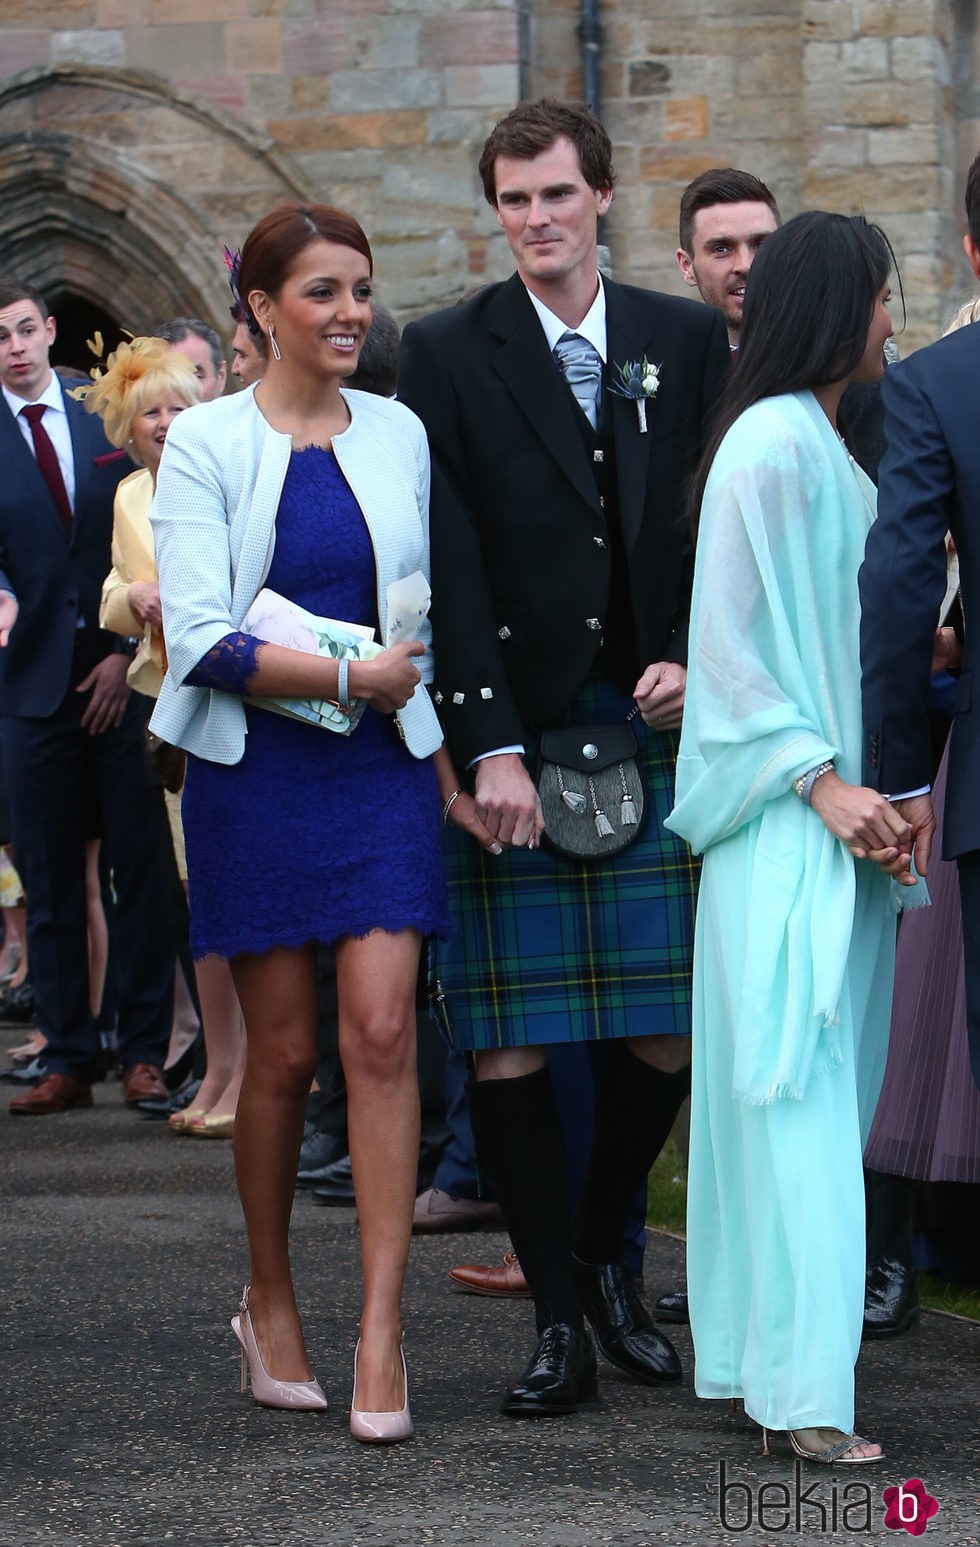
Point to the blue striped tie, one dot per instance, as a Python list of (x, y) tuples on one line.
[(581, 366)]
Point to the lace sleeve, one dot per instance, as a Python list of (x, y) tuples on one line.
[(228, 665)]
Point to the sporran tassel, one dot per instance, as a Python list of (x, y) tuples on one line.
[(602, 825), (627, 812)]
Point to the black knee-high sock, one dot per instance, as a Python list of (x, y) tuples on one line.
[(518, 1140), (890, 1203), (636, 1107)]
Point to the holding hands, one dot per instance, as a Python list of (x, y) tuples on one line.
[(874, 828)]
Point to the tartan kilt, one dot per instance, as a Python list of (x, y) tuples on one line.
[(550, 950)]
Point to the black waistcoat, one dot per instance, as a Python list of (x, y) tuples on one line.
[(617, 658)]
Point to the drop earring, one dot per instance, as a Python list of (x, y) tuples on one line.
[(276, 351)]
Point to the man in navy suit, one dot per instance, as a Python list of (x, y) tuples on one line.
[(930, 484), (72, 738)]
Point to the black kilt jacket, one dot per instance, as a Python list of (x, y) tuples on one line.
[(520, 561)]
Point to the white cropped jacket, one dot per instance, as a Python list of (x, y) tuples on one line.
[(213, 523)]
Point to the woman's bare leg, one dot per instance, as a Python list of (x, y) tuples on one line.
[(278, 996), (376, 979), (98, 934), (221, 1017)]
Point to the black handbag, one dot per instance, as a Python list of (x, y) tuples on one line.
[(590, 789)]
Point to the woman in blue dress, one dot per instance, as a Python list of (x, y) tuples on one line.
[(795, 932), (295, 835)]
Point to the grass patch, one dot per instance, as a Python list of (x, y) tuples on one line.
[(666, 1210), (959, 1299), (667, 1190)]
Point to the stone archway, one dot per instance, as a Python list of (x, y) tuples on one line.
[(118, 189)]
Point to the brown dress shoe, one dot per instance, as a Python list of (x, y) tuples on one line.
[(55, 1093), (507, 1281), (144, 1082)]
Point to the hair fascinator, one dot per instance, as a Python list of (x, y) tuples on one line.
[(240, 309), (137, 374)]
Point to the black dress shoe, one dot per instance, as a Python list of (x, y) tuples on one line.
[(673, 1308), (318, 1153), (338, 1188), (17, 1005), (621, 1322), (891, 1302), (560, 1377)]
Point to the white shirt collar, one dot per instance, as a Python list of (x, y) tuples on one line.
[(592, 326), (51, 397)]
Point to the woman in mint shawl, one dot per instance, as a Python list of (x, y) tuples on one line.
[(796, 919)]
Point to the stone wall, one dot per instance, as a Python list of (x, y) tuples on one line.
[(382, 106)]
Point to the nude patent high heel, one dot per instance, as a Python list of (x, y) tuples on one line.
[(380, 1428), (302, 1396)]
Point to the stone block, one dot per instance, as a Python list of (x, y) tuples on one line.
[(829, 20), (460, 126), (368, 91), (769, 72), (865, 59), (392, 43), (899, 18), (255, 47), (175, 51), (822, 65), (317, 48), (487, 36), (24, 16), (687, 118), (827, 147), (913, 59), (613, 80), (634, 123), (878, 105), (648, 78), (894, 191), (917, 145), (123, 13), (227, 91), (23, 51), (96, 46), (349, 132), (492, 85), (169, 13), (657, 165)]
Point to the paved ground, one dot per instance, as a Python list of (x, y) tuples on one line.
[(121, 1256)]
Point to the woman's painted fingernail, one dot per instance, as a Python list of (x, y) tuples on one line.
[(496, 849)]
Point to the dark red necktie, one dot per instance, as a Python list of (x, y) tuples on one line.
[(47, 461)]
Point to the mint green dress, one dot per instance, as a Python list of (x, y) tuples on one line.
[(794, 940)]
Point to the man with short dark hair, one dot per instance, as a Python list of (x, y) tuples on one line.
[(203, 347), (930, 484), (564, 416), (725, 216), (69, 728)]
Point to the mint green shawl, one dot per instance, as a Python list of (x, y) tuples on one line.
[(773, 689)]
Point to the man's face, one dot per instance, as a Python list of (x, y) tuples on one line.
[(25, 339), (724, 242), (198, 353), (549, 214), (246, 361)]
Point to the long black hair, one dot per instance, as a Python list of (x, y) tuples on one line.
[(809, 299)]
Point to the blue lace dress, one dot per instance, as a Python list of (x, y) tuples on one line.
[(312, 836)]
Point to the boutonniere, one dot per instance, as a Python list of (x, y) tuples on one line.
[(637, 380)]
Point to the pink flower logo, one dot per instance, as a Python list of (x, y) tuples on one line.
[(909, 1508)]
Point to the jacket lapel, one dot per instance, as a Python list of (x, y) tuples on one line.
[(625, 341), (82, 451), (524, 363), (19, 460)]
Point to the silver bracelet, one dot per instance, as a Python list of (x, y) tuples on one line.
[(804, 784), (343, 692), (449, 804)]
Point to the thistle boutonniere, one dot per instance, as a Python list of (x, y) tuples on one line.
[(637, 380)]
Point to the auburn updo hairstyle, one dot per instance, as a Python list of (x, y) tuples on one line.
[(272, 247)]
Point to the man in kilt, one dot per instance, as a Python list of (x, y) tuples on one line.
[(560, 569)]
